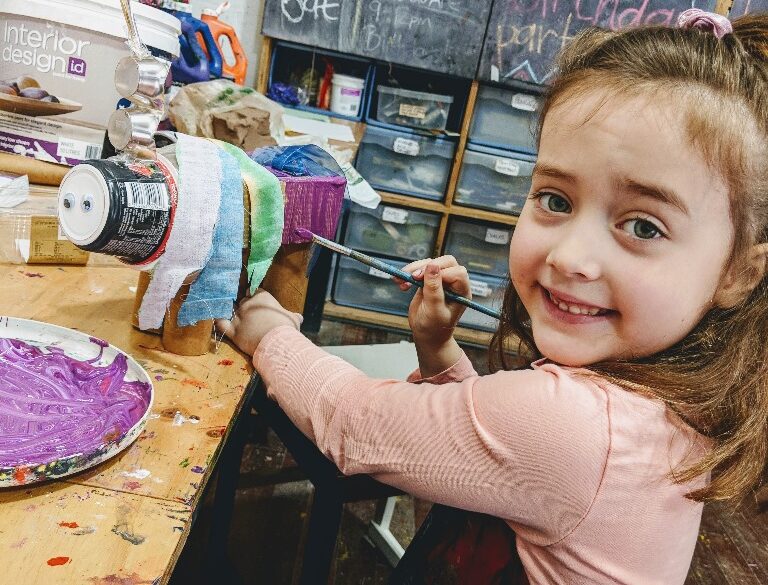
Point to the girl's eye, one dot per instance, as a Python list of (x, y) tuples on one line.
[(554, 202), (642, 228)]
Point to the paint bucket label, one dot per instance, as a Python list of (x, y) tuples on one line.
[(68, 51), (120, 208)]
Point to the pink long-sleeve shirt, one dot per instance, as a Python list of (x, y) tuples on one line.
[(578, 467)]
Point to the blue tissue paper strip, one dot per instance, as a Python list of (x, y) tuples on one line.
[(213, 294)]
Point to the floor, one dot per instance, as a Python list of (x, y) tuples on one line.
[(270, 520)]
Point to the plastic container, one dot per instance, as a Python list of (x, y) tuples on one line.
[(363, 287), (418, 109), (85, 42), (30, 234), (192, 65), (488, 291), (198, 35), (393, 231), (505, 119), (405, 162), (346, 94), (480, 247), (494, 179), (238, 67)]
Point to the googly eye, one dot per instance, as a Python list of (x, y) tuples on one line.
[(87, 203)]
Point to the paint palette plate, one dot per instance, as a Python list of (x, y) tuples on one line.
[(67, 401)]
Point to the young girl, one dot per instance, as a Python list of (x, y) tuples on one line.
[(638, 277)]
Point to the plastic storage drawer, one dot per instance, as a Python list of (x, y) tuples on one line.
[(488, 291), (303, 68), (505, 119), (393, 231), (418, 109), (494, 179), (364, 287), (480, 247), (407, 163)]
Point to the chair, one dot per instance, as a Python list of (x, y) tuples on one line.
[(332, 489)]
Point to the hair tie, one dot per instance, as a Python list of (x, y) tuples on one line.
[(717, 24)]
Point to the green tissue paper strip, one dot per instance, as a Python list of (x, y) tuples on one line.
[(267, 214)]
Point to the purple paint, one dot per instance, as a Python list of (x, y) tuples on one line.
[(54, 407), (313, 203), (304, 234)]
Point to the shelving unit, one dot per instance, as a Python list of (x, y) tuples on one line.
[(447, 209)]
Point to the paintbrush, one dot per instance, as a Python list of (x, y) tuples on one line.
[(391, 270)]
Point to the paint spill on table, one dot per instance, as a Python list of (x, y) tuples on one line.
[(59, 414)]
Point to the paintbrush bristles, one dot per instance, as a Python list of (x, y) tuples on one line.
[(304, 233)]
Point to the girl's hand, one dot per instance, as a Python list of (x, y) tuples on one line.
[(433, 318), (254, 318)]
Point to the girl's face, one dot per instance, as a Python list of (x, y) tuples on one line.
[(620, 247)]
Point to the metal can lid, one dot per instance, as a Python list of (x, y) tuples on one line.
[(84, 203)]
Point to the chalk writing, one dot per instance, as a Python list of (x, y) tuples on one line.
[(440, 35), (742, 7), (524, 36), (295, 10)]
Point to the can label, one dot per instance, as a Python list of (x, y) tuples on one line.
[(142, 200)]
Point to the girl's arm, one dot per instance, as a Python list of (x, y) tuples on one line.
[(527, 446)]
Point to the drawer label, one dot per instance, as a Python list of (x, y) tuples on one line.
[(411, 111), (480, 289), (494, 236), (406, 146), (507, 166), (378, 273), (394, 215), (524, 101)]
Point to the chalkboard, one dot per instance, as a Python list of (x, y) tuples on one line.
[(742, 7), (445, 36), (524, 36)]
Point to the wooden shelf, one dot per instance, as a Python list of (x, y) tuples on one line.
[(440, 207), (413, 202), (483, 215), (376, 319)]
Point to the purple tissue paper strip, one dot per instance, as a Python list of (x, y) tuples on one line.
[(312, 203), (53, 406)]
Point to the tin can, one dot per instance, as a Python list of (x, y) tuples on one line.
[(119, 207)]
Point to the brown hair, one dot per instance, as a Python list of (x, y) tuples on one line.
[(717, 377)]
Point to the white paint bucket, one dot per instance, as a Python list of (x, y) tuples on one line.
[(71, 49), (346, 94)]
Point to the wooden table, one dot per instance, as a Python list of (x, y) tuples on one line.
[(126, 520)]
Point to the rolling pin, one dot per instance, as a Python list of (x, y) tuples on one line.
[(39, 172)]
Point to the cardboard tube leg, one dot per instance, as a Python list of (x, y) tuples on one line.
[(192, 340), (287, 279)]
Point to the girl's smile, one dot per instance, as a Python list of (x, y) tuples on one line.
[(572, 310), (621, 246)]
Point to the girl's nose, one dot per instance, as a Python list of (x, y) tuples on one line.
[(576, 256)]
